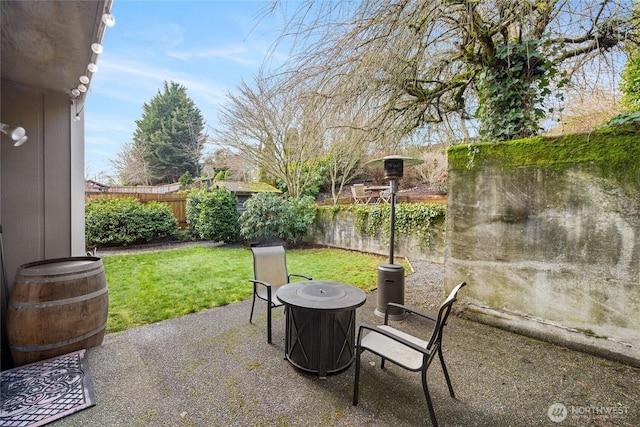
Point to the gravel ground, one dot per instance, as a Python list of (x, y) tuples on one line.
[(424, 287)]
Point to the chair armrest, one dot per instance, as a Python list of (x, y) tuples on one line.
[(265, 284), (391, 336), (405, 308), (299, 275), (260, 282)]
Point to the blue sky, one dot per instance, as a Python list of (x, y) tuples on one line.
[(208, 46)]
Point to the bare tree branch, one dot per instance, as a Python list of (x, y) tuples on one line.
[(273, 128), (413, 63)]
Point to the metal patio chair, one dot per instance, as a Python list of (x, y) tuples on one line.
[(385, 196), (270, 272), (360, 197), (406, 350)]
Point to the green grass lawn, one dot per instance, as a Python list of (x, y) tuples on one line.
[(153, 286)]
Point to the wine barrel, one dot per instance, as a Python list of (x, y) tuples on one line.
[(56, 306)]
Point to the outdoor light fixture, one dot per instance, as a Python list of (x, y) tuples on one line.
[(108, 20), (17, 134), (391, 276), (76, 117), (96, 48)]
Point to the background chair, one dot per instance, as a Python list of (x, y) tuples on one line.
[(270, 272), (385, 196), (406, 350), (360, 197)]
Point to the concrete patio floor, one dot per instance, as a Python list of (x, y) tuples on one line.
[(213, 368)]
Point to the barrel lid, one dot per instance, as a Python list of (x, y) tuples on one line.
[(58, 265)]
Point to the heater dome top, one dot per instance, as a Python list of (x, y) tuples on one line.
[(394, 165), (406, 160)]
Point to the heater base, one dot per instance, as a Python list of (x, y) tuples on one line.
[(390, 289)]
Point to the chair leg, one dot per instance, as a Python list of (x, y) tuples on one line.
[(252, 305), (426, 395), (269, 325), (446, 373), (356, 381), (287, 327)]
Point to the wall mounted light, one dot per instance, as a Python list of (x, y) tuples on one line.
[(17, 134), (96, 48), (77, 117), (108, 20)]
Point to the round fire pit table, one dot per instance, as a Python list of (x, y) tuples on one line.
[(320, 324)]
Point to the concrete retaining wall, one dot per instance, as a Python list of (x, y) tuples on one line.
[(339, 230), (550, 249)]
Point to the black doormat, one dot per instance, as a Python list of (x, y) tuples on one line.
[(41, 392)]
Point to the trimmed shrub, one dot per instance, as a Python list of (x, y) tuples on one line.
[(269, 216), (304, 212), (125, 221), (213, 215)]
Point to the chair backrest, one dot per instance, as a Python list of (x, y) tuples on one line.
[(270, 265), (354, 193), (441, 320), (358, 190)]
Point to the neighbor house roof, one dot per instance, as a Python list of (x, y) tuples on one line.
[(241, 187)]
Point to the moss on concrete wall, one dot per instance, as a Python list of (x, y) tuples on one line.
[(611, 155)]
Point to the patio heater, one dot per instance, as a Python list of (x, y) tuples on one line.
[(390, 275)]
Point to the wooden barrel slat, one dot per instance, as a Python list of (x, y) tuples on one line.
[(57, 306)]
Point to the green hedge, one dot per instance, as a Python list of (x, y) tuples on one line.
[(125, 221)]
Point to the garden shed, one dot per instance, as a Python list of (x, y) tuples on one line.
[(244, 190)]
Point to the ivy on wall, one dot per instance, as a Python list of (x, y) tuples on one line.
[(415, 219)]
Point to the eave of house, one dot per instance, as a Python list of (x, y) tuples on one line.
[(47, 43)]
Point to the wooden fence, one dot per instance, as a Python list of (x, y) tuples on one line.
[(177, 202)]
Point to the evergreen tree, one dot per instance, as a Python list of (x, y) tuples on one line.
[(170, 131)]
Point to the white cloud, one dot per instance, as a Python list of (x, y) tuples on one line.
[(234, 53), (139, 82)]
